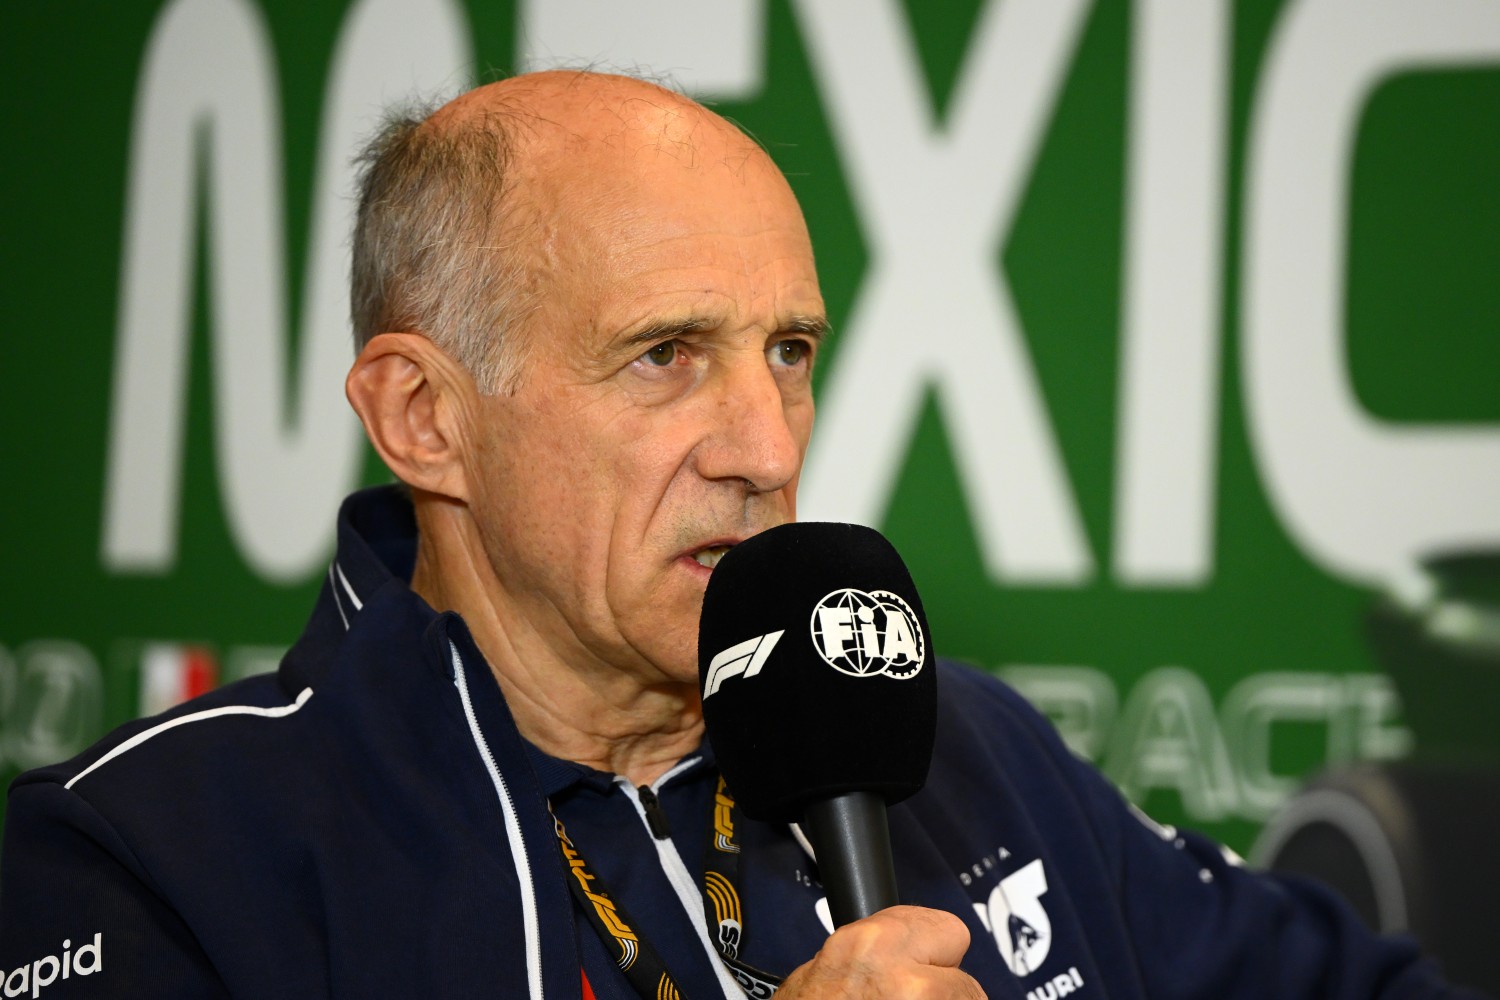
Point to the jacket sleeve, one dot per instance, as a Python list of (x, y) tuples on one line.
[(78, 915), (1203, 925)]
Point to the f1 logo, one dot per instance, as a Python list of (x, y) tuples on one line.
[(742, 658)]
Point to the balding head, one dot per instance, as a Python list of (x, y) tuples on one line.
[(464, 212)]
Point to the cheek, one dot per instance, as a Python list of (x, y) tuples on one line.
[(651, 448), (657, 501), (537, 491)]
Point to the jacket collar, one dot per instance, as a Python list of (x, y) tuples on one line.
[(377, 547)]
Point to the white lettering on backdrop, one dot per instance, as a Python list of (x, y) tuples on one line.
[(712, 50), (936, 200), (1362, 497), (288, 448), (1167, 436)]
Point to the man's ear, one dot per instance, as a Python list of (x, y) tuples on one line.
[(411, 396)]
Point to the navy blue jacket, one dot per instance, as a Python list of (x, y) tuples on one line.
[(367, 822)]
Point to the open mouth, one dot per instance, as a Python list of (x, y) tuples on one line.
[(710, 556)]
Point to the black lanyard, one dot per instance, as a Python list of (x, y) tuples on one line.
[(639, 961)]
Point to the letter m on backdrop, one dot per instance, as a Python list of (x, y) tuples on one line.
[(207, 120)]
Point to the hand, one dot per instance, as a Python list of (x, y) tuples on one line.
[(902, 952)]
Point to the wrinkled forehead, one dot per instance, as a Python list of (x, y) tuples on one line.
[(610, 177)]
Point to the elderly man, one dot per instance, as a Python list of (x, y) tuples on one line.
[(587, 314)]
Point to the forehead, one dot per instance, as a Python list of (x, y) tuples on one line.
[(737, 251), (652, 204)]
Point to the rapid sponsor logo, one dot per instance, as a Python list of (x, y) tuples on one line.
[(868, 634), (85, 961)]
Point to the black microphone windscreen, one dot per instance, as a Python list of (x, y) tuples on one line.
[(816, 665)]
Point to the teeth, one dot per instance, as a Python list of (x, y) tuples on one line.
[(710, 556)]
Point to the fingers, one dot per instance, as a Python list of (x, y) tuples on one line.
[(926, 937), (903, 951)]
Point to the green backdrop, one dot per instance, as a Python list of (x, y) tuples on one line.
[(1165, 335)]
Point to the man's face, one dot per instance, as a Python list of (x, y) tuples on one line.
[(666, 401)]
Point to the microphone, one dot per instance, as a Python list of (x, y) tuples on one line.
[(819, 695)]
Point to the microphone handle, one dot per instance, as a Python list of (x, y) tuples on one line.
[(852, 839)]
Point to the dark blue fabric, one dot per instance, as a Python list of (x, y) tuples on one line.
[(356, 847)]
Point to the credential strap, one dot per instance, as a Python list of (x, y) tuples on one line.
[(641, 963)]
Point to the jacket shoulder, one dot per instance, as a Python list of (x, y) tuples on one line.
[(174, 741)]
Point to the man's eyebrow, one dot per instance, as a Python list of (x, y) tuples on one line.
[(667, 329), (811, 326)]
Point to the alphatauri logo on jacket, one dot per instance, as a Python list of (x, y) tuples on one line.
[(1022, 930), (1017, 918)]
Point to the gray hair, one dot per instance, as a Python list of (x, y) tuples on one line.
[(435, 251)]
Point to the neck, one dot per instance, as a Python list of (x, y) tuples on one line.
[(564, 699)]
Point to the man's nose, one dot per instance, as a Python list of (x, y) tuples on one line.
[(752, 434)]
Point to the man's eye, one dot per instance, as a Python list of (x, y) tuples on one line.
[(662, 354), (790, 352)]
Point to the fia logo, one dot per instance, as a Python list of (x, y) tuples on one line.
[(1018, 920), (868, 634)]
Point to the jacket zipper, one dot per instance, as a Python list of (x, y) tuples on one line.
[(656, 816), (519, 856)]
